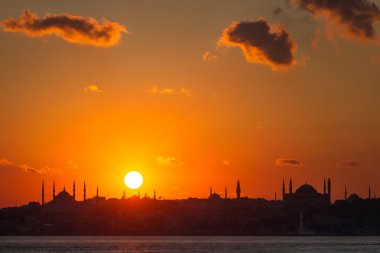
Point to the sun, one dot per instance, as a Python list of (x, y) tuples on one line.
[(133, 179)]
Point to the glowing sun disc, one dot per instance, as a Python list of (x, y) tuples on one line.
[(133, 180)]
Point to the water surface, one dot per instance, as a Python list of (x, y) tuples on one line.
[(190, 244)]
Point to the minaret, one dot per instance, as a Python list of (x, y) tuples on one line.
[(43, 193), (64, 188), (84, 190), (123, 195), (74, 190), (97, 192), (369, 192), (283, 189), (324, 186), (225, 193), (154, 194), (210, 191), (345, 193), (54, 189), (238, 189), (290, 186), (329, 189)]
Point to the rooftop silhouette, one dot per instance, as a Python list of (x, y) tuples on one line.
[(304, 211)]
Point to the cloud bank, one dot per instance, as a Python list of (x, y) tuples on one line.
[(156, 90), (288, 162), (74, 29), (5, 163), (353, 19), (261, 43)]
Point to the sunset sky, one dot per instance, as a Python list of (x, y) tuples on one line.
[(190, 93)]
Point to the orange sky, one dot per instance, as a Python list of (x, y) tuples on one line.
[(149, 87)]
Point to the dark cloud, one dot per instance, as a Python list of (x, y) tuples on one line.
[(353, 18), (348, 163), (74, 29), (261, 43), (288, 162), (277, 11)]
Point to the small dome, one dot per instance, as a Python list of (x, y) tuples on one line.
[(306, 189), (214, 196), (353, 197)]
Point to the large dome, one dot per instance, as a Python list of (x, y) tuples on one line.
[(306, 189), (63, 197)]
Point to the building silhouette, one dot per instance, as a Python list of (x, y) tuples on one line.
[(303, 211), (238, 189), (307, 194)]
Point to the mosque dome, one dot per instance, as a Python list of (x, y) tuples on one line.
[(214, 196), (63, 197), (353, 197), (306, 189)]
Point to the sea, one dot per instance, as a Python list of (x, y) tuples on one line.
[(189, 244)]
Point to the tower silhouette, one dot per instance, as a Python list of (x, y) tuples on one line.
[(225, 193), (154, 194), (369, 192), (345, 193), (97, 192), (290, 186), (43, 194), (74, 190), (238, 189), (329, 190), (54, 189), (283, 189), (84, 190)]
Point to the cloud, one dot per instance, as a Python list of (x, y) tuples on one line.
[(73, 29), (154, 89), (317, 38), (288, 162), (349, 163), (208, 56), (5, 162), (168, 161), (261, 43), (352, 19), (92, 88), (186, 92), (226, 163), (26, 168)]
